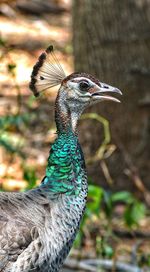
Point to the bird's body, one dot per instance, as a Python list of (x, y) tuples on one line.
[(38, 227)]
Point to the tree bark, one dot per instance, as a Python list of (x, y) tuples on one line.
[(112, 41)]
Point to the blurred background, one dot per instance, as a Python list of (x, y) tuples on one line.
[(111, 40)]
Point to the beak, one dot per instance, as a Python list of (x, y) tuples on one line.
[(98, 92)]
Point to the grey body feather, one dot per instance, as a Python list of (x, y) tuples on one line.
[(37, 231)]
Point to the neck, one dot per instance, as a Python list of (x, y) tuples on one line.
[(66, 121), (65, 172)]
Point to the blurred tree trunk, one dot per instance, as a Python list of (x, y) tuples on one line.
[(112, 41)]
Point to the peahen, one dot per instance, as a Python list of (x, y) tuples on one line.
[(38, 227)]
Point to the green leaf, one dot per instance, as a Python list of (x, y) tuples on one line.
[(123, 196), (15, 121), (12, 146), (108, 204), (2, 42), (11, 67), (30, 176), (95, 195), (134, 213), (78, 240), (108, 251)]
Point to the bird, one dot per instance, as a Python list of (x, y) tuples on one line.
[(39, 226)]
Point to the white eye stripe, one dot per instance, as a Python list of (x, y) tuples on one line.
[(79, 79)]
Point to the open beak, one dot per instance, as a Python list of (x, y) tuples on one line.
[(98, 92)]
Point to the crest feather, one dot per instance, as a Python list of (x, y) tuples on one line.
[(47, 72)]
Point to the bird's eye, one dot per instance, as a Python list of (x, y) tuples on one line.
[(84, 86), (106, 87)]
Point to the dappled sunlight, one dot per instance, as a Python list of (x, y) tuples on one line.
[(24, 38)]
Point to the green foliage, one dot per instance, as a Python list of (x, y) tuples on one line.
[(10, 124), (144, 260), (95, 195), (134, 212), (122, 196), (103, 248), (101, 205), (2, 42), (11, 144), (15, 121), (11, 67), (30, 177), (134, 209), (9, 140)]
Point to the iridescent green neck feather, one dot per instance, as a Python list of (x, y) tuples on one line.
[(66, 167)]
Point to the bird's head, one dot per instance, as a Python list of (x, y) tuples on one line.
[(77, 91), (82, 90)]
